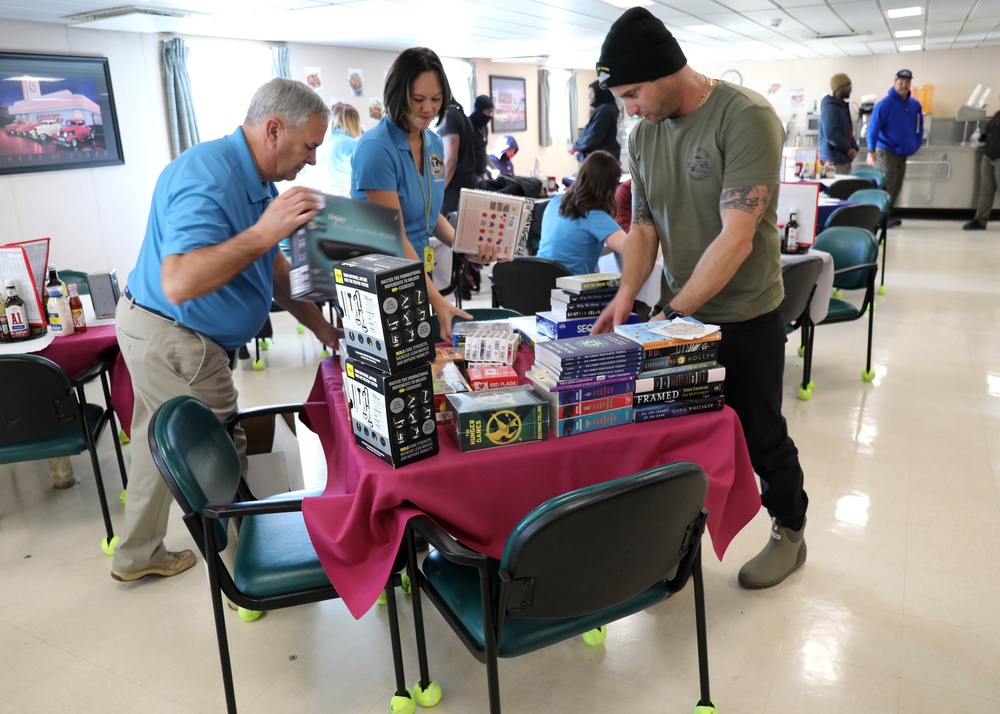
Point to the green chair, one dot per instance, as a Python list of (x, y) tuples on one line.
[(799, 278), (870, 172), (855, 263), (562, 575), (78, 277), (883, 200), (478, 313), (275, 565), (844, 188), (43, 415)]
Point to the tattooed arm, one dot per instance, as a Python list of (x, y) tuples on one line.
[(741, 210)]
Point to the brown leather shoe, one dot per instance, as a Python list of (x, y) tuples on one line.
[(170, 564)]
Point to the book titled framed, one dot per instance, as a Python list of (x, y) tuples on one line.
[(59, 113), (509, 104)]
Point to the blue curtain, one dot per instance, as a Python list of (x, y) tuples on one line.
[(180, 107), (544, 102), (574, 130), (280, 66)]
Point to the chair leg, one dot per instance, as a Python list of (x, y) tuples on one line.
[(425, 683), (885, 249), (699, 614), (88, 439), (220, 621), (868, 374), (490, 642), (113, 423), (401, 701)]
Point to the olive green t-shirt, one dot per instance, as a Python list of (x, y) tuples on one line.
[(681, 166)]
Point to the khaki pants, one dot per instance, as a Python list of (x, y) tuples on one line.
[(894, 167), (166, 359)]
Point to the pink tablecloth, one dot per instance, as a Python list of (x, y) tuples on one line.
[(78, 351), (358, 523)]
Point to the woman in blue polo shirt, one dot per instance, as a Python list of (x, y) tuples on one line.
[(579, 225), (400, 163)]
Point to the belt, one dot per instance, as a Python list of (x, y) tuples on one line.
[(151, 311)]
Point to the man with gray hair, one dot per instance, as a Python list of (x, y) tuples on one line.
[(202, 287)]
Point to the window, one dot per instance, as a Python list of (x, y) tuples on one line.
[(224, 76), (560, 122), (459, 72)]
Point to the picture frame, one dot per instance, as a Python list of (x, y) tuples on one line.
[(56, 112), (509, 104)]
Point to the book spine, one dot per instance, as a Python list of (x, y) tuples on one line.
[(567, 411), (690, 348), (664, 410), (546, 357), (564, 329), (653, 342), (713, 389), (676, 360), (680, 379), (572, 298), (582, 424), (574, 313), (578, 284), (587, 394), (586, 383), (591, 372)]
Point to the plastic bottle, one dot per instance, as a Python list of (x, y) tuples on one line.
[(60, 315), (4, 329), (792, 234), (17, 316), (53, 280), (76, 309)]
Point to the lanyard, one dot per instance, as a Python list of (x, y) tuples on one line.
[(428, 195)]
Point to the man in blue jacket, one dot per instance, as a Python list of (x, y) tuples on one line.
[(896, 131), (836, 131)]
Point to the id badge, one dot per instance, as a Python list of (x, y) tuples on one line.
[(428, 259)]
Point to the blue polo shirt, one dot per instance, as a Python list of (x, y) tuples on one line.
[(575, 242), (383, 162), (205, 196)]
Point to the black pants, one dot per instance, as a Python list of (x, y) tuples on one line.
[(753, 353)]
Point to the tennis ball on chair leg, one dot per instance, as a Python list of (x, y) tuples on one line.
[(593, 638)]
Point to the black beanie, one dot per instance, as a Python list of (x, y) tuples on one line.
[(638, 48), (483, 103)]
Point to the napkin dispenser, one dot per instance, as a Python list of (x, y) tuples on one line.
[(104, 293)]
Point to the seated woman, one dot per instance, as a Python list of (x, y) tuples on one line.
[(579, 225), (345, 130), (502, 153)]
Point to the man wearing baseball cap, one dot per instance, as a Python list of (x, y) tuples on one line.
[(705, 173), (836, 130), (895, 131)]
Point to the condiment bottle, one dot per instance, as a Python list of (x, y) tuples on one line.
[(4, 329), (792, 234), (76, 309), (17, 316), (60, 315)]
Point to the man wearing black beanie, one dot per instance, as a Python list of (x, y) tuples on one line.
[(705, 173)]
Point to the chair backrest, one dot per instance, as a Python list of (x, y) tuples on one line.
[(535, 231), (799, 277), (478, 313), (845, 187), (197, 460), (78, 277), (599, 546), (36, 398), (525, 284), (870, 172), (859, 215), (874, 196), (850, 247)]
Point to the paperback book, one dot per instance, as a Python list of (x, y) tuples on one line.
[(712, 389), (582, 350), (588, 281), (680, 379), (650, 339), (602, 390), (590, 422), (566, 411), (558, 329), (593, 295), (545, 380), (678, 407), (650, 364)]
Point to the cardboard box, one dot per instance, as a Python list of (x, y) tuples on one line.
[(448, 379), (482, 377), (385, 311), (498, 417), (392, 415), (344, 229)]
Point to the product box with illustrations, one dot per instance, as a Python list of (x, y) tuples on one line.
[(448, 379), (498, 417), (385, 311), (344, 228), (392, 415)]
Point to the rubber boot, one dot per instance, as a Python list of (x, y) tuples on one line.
[(784, 553)]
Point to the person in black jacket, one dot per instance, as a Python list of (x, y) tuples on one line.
[(480, 118), (601, 131), (836, 130), (459, 155), (989, 175)]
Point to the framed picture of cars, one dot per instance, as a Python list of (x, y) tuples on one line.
[(56, 112), (509, 104)]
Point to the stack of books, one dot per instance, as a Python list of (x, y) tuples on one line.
[(577, 302), (588, 381), (680, 370)]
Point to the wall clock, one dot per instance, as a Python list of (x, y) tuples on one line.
[(732, 76)]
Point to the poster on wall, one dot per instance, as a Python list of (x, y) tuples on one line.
[(56, 112), (796, 98), (509, 104), (314, 78), (356, 81), (375, 108)]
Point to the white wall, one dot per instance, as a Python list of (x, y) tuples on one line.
[(96, 217)]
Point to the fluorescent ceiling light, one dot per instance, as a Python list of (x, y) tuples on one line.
[(910, 48), (908, 33), (710, 30), (626, 4), (904, 12)]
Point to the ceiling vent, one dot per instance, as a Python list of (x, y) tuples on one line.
[(119, 12)]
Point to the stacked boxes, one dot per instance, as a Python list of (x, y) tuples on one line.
[(390, 390)]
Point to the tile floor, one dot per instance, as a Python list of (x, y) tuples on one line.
[(895, 610)]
